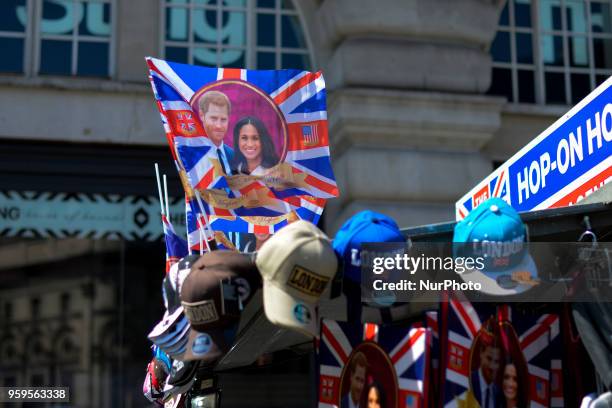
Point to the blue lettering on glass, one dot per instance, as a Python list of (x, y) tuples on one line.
[(177, 29), (95, 20), (72, 11), (231, 34)]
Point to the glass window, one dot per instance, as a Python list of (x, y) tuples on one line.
[(500, 49), (526, 85), (550, 15), (581, 86), (501, 83), (555, 88), (522, 9), (524, 48), (13, 23), (600, 17), (56, 37), (75, 37), (503, 19), (557, 55), (552, 50), (214, 33), (602, 50)]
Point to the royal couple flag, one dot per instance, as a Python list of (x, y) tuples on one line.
[(253, 144), (387, 365), (496, 356)]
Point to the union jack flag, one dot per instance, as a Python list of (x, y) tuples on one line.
[(464, 323), (176, 247), (397, 356), (498, 187), (298, 95), (431, 322)]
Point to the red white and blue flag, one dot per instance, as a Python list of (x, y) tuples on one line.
[(176, 247), (292, 102), (397, 360), (532, 353)]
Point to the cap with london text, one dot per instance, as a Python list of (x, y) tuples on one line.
[(296, 264), (495, 232)]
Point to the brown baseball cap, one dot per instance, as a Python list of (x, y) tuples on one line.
[(219, 285)]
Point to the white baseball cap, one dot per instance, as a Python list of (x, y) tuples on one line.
[(296, 264)]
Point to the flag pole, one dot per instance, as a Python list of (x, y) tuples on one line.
[(166, 198), (159, 190)]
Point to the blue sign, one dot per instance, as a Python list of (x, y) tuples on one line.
[(563, 165)]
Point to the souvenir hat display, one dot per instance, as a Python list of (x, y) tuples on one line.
[(220, 285), (496, 232), (157, 373), (171, 334), (365, 226), (296, 264)]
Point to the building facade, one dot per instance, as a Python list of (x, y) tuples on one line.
[(425, 99)]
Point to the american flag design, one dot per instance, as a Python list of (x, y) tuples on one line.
[(304, 171), (310, 135), (176, 247), (397, 358), (535, 337)]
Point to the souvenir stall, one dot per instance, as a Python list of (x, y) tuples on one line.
[(255, 275)]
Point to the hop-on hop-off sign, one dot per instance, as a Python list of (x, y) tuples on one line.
[(563, 165)]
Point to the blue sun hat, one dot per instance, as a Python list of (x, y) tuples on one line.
[(495, 232)]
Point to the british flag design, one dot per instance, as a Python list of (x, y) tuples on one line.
[(300, 98), (299, 95), (499, 186), (535, 334), (403, 350), (176, 247)]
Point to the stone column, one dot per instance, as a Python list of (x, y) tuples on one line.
[(407, 114)]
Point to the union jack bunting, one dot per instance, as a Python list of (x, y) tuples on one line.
[(522, 353), (176, 247), (289, 106), (397, 360)]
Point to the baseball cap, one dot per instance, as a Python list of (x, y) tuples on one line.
[(181, 378), (365, 226), (296, 264), (495, 232), (173, 281), (220, 284), (212, 297), (171, 333)]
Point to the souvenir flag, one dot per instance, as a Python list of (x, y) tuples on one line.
[(488, 345), (393, 362), (431, 322), (176, 247), (247, 140)]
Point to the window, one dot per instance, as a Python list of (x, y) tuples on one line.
[(57, 37), (254, 34), (551, 51)]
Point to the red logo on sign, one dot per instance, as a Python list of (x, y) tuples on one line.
[(480, 197)]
